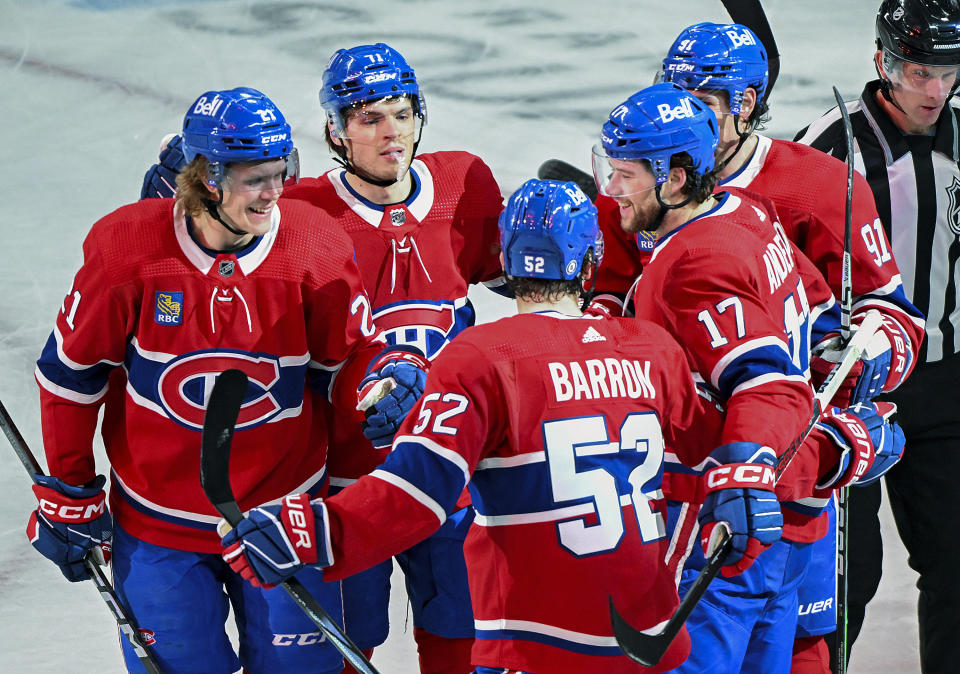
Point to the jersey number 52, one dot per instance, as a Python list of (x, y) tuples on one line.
[(585, 438)]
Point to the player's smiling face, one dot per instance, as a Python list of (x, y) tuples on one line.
[(250, 191), (380, 138), (631, 184)]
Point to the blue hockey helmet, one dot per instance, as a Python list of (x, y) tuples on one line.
[(657, 123), (546, 229), (367, 73), (236, 125), (723, 56)]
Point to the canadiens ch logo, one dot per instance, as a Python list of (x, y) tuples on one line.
[(953, 210), (398, 217), (168, 308), (185, 385), (226, 267)]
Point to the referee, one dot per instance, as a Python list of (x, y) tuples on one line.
[(907, 147)]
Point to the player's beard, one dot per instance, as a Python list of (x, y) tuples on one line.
[(642, 217)]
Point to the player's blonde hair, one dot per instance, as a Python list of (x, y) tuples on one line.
[(192, 190)]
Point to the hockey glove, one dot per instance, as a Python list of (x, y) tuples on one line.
[(882, 367), (69, 522), (394, 383), (160, 180), (869, 440), (739, 495), (273, 542)]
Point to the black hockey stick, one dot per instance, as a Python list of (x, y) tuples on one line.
[(846, 309), (557, 169), (218, 426), (109, 595), (647, 649)]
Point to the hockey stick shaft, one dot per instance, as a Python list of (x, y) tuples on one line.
[(647, 649), (104, 587), (843, 508), (218, 426)]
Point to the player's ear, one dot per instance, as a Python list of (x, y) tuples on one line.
[(878, 60), (748, 104), (333, 134), (676, 179)]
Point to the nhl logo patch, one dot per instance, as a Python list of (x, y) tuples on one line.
[(398, 217), (953, 209), (226, 267), (168, 308)]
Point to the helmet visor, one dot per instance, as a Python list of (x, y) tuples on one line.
[(262, 176), (620, 178), (918, 78)]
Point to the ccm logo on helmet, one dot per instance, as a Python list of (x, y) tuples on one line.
[(669, 113), (208, 108), (274, 139), (379, 77)]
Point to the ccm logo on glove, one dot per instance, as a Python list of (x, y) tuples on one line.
[(76, 510), (740, 475)]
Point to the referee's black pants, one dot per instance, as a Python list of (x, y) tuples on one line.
[(924, 492)]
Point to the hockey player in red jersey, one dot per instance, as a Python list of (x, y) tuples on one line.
[(172, 292), (560, 423), (724, 278), (809, 191), (424, 228)]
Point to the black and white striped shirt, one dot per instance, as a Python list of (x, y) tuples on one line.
[(916, 185)]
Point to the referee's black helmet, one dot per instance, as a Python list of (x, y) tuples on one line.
[(920, 31)]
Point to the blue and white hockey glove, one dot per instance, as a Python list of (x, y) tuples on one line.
[(394, 383), (160, 180), (739, 495), (869, 440), (273, 542), (69, 522), (882, 367)]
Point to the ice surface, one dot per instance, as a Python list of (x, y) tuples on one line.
[(90, 87)]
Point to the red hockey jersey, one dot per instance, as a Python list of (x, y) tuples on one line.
[(809, 189), (158, 316), (417, 260), (735, 300), (559, 424)]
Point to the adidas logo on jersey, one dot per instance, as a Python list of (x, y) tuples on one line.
[(591, 335)]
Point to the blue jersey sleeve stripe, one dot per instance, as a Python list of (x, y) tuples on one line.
[(763, 347), (760, 365), (415, 493), (432, 473), (68, 393)]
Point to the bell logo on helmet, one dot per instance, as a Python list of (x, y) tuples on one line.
[(741, 39), (669, 113), (208, 108)]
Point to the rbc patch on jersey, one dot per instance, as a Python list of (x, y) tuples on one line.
[(168, 309), (646, 241)]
